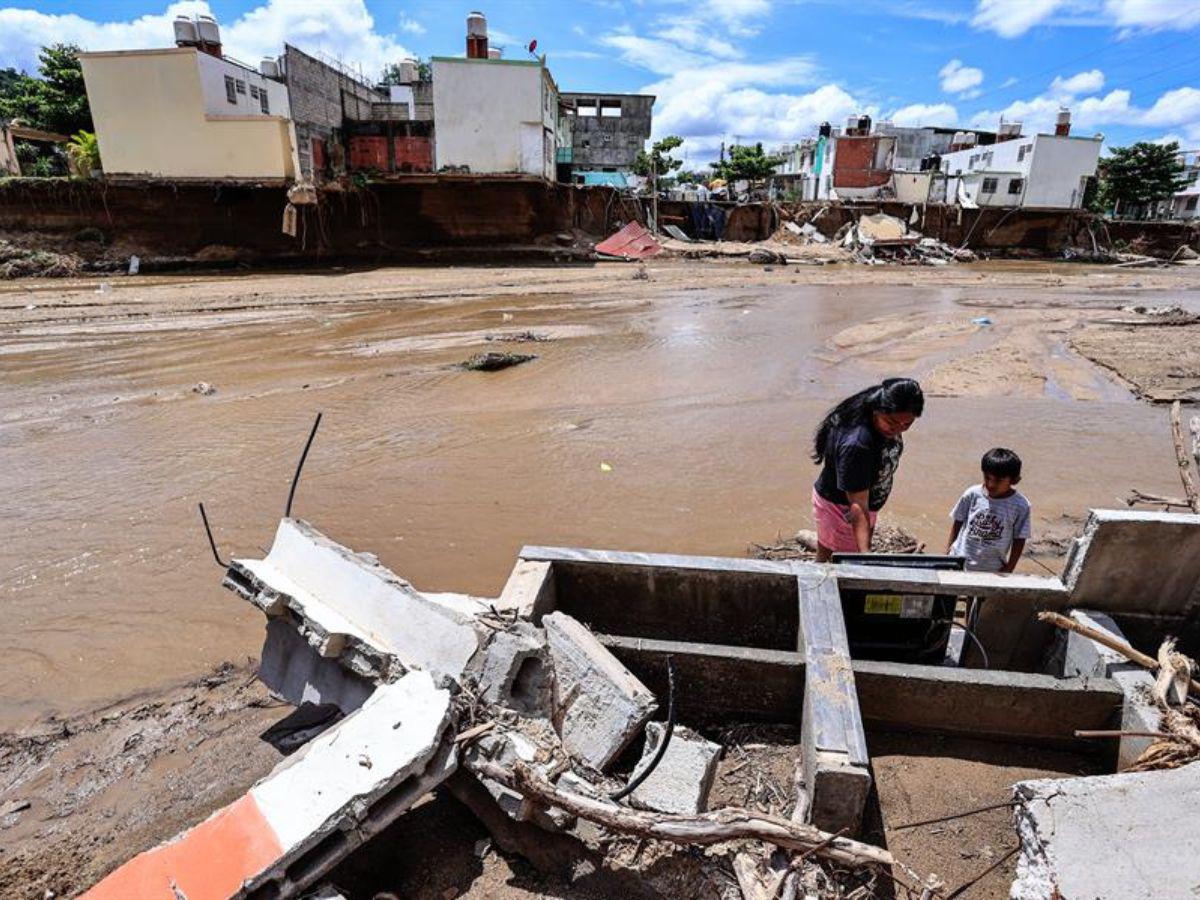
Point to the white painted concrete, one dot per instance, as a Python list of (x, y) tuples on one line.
[(683, 778), (214, 71), (1042, 171), (494, 116)]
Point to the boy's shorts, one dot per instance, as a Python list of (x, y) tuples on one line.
[(833, 528)]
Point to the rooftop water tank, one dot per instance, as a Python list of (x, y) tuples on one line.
[(409, 71), (494, 53), (185, 31), (207, 30), (476, 25), (269, 67)]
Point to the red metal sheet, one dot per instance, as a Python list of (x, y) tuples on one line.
[(631, 242)]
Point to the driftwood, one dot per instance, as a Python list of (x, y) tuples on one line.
[(1100, 637), (1136, 496), (729, 824), (1181, 457)]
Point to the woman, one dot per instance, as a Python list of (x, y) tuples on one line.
[(858, 445)]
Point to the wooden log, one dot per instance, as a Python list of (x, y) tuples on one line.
[(729, 824), (1136, 496), (1100, 637), (1181, 457)]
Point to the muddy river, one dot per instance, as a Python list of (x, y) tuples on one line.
[(664, 415)]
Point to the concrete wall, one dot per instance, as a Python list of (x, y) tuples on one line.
[(608, 142), (1059, 166), (149, 112), (8, 154), (491, 115), (862, 165), (911, 187)]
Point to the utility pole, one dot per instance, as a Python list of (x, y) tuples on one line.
[(654, 187)]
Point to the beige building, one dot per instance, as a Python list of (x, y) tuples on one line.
[(181, 112), (8, 153)]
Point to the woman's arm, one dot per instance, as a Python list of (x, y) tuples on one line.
[(859, 520)]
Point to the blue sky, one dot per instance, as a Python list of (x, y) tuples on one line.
[(767, 70)]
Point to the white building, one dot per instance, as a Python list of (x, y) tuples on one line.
[(1185, 203), (494, 116), (1046, 171)]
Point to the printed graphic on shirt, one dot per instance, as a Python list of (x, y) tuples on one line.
[(889, 461), (985, 526)]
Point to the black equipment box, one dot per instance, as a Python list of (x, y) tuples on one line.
[(896, 625)]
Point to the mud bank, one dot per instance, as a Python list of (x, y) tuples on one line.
[(668, 414)]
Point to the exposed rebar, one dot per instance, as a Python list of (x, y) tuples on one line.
[(287, 512), (211, 542)]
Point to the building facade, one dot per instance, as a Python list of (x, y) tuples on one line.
[(494, 116), (182, 112), (603, 132), (1186, 202), (1044, 171)]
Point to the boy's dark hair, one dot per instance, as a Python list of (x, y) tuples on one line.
[(1002, 463)]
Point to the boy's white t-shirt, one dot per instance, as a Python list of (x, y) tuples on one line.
[(989, 526)]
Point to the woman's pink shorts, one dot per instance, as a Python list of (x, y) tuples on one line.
[(833, 529)]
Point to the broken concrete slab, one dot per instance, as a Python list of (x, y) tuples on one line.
[(1130, 561), (681, 781), (515, 670), (835, 764), (1109, 837), (529, 591), (335, 793), (598, 705), (352, 609), (293, 669), (1083, 656)]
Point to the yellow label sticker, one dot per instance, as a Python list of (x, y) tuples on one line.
[(883, 604)]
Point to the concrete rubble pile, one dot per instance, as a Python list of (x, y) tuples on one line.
[(881, 238), (434, 689)]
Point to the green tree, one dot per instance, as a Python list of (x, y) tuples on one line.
[(84, 151), (1138, 174), (659, 159), (57, 101), (747, 163), (8, 77)]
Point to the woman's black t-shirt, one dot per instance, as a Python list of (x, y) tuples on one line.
[(858, 458)]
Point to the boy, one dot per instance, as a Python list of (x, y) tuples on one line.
[(991, 520)]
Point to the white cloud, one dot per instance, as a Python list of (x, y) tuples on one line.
[(342, 29), (412, 26), (1082, 83), (959, 79), (925, 114), (740, 18), (1011, 19), (1154, 14)]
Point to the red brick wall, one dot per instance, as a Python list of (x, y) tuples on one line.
[(853, 164), (413, 154), (369, 153)]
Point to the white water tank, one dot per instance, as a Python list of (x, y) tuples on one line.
[(185, 31), (207, 30), (409, 71), (495, 53), (269, 67), (476, 25)]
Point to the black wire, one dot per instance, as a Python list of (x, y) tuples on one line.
[(639, 777), (287, 512), (211, 543)]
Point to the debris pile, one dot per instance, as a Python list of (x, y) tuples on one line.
[(22, 262), (803, 544), (882, 238), (494, 361)]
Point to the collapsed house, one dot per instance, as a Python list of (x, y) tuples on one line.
[(575, 706)]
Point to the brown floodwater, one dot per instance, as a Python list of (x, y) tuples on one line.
[(661, 420)]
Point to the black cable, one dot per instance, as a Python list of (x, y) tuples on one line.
[(287, 512), (211, 543), (641, 776)]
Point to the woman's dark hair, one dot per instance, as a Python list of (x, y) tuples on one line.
[(894, 395)]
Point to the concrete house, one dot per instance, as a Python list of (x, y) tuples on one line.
[(1045, 171), (603, 132), (188, 111), (1184, 205)]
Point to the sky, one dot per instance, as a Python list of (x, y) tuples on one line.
[(738, 70)]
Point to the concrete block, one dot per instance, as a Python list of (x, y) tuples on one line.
[(506, 748), (352, 609), (293, 669), (598, 705), (313, 810), (529, 590), (834, 761), (515, 670), (1128, 561), (1110, 837), (1083, 656), (684, 776)]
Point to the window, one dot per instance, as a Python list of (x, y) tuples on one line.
[(971, 162), (1190, 206), (262, 100), (587, 107), (1023, 152), (241, 86), (229, 92), (989, 186), (1016, 185), (610, 109), (253, 92)]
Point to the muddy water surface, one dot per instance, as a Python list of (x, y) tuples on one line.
[(698, 402)]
